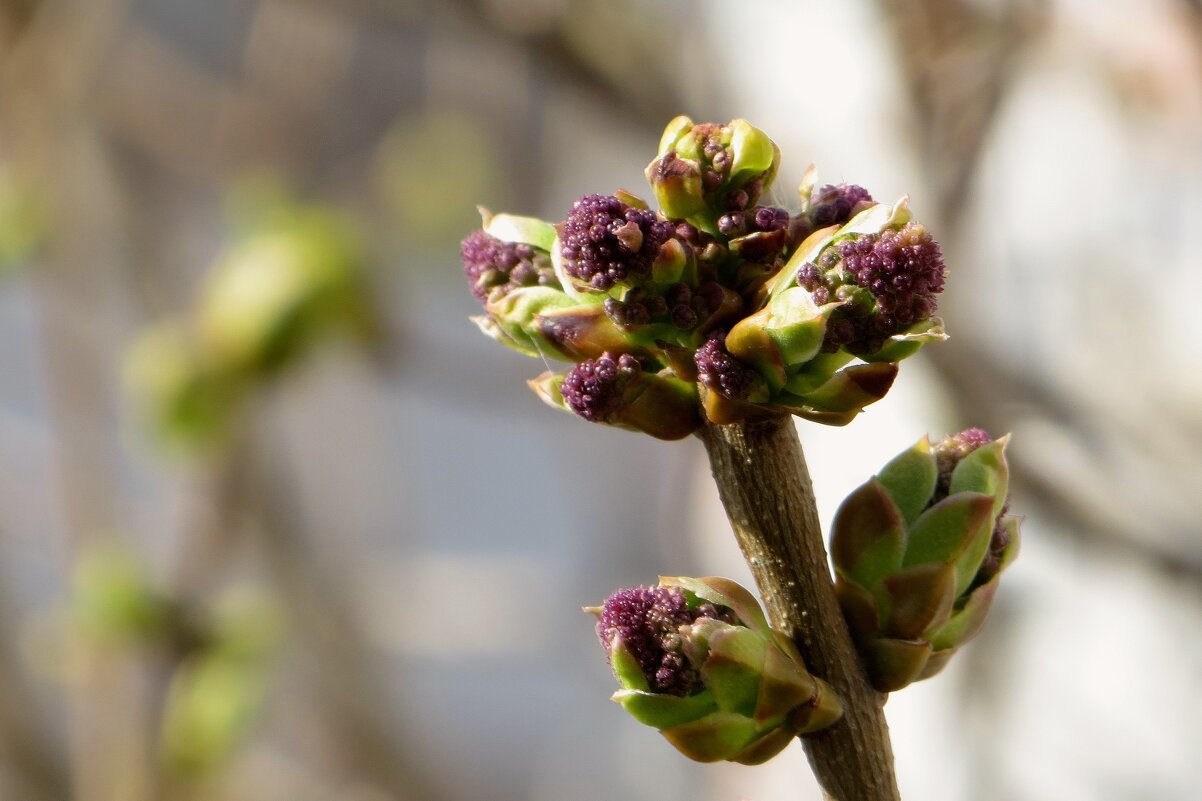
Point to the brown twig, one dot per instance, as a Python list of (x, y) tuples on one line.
[(765, 487)]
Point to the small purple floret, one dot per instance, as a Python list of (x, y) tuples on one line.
[(770, 218), (647, 620), (604, 241), (594, 388), (720, 371)]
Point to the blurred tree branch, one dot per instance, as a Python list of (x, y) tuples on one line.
[(24, 739), (956, 57), (371, 748), (45, 75), (617, 55)]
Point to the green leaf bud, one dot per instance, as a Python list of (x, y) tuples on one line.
[(918, 551), (285, 285), (697, 660), (113, 598), (187, 400)]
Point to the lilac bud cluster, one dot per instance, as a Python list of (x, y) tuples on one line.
[(949, 453), (594, 388), (638, 293), (605, 241), (761, 219), (494, 267), (720, 371), (681, 305), (833, 204), (647, 620), (716, 161), (902, 270)]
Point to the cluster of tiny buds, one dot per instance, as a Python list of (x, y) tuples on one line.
[(594, 388), (647, 621), (951, 451), (833, 204), (760, 219), (492, 265), (717, 158), (604, 241), (716, 161), (721, 372), (903, 271), (681, 305)]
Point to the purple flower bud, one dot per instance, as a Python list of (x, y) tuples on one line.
[(834, 204), (684, 317), (648, 621), (911, 254), (594, 388), (770, 218), (902, 270), (732, 224), (950, 452), (688, 233), (741, 198), (720, 371), (809, 277), (493, 266), (604, 241)]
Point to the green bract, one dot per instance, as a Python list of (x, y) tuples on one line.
[(910, 549), (755, 693)]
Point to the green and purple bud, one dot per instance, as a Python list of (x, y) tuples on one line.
[(494, 267), (835, 204), (884, 271), (697, 661), (722, 373), (918, 552), (607, 242), (702, 172), (509, 267), (618, 391)]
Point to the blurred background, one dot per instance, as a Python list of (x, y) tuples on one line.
[(345, 560)]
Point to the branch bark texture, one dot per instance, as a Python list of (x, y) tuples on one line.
[(765, 487)]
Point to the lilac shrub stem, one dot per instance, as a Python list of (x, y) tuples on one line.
[(765, 487)]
